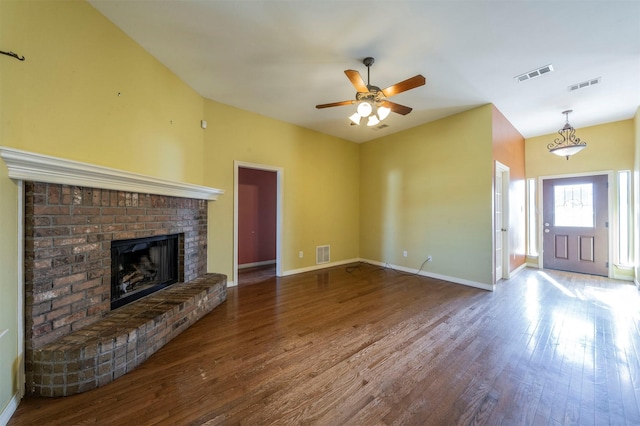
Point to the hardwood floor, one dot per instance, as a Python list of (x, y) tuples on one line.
[(369, 346), (256, 274)]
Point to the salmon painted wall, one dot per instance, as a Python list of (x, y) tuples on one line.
[(508, 149), (257, 192)]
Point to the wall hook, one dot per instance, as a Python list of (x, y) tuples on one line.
[(15, 55)]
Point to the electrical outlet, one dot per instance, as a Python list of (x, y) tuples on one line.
[(429, 258), (405, 254), (300, 254)]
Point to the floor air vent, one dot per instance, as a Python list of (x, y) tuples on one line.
[(323, 254)]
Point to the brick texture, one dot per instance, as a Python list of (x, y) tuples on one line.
[(123, 339), (68, 234)]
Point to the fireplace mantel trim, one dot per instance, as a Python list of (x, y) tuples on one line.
[(29, 166)]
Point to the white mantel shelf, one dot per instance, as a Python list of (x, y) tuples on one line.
[(28, 166)]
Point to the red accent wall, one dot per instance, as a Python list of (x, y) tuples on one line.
[(257, 193), (508, 149)]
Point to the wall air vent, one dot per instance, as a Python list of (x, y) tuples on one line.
[(323, 254), (585, 84), (534, 73)]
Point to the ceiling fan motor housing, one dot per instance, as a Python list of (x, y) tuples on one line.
[(374, 95)]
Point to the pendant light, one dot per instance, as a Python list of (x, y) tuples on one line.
[(567, 144)]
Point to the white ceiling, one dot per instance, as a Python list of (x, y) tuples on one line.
[(280, 58)]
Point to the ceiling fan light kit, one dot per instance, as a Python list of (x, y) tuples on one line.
[(355, 118), (364, 109), (371, 101), (383, 112)]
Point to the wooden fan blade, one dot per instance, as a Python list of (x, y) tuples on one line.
[(397, 108), (333, 104), (357, 81), (403, 86)]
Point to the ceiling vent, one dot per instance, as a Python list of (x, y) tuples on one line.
[(585, 84), (534, 73)]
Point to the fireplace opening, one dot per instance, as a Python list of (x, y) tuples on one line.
[(142, 266)]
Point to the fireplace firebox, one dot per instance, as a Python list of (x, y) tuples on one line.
[(142, 266)]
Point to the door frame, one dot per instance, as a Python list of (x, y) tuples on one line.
[(505, 171), (610, 219), (279, 203)]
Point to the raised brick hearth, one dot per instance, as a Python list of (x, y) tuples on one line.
[(105, 350), (68, 234)]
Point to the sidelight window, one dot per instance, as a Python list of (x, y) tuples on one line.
[(532, 236), (624, 217)]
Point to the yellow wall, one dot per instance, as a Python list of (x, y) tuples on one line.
[(64, 97), (87, 92), (63, 101), (9, 364), (9, 353), (609, 147), (321, 186), (428, 190)]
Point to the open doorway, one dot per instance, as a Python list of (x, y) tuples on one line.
[(257, 222)]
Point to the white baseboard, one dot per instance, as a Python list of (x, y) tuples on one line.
[(12, 405), (517, 270), (623, 277), (307, 269), (318, 267), (455, 280), (8, 411)]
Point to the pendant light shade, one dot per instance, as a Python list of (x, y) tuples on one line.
[(567, 144)]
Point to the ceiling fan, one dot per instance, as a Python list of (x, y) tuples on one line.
[(372, 101)]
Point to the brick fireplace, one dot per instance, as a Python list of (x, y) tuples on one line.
[(68, 235), (72, 213)]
